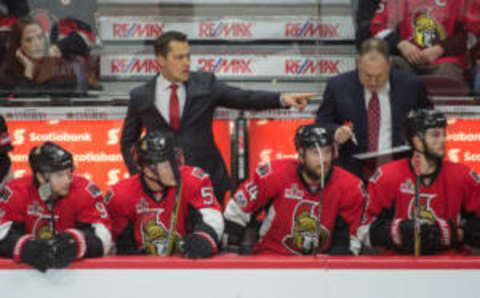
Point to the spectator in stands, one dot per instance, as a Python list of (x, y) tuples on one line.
[(365, 107), (429, 35), (448, 203), (12, 10), (312, 207), (185, 102), (364, 12), (72, 26), (32, 63), (473, 26), (142, 206)]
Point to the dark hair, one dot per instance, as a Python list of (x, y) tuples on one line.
[(14, 68), (162, 43), (375, 45)]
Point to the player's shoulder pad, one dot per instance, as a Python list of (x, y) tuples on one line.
[(93, 189), (5, 194), (199, 173), (376, 176), (264, 170), (475, 176), (107, 197)]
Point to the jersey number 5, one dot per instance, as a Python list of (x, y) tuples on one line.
[(207, 195)]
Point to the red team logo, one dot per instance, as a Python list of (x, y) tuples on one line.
[(312, 66), (311, 29), (225, 29), (304, 229), (153, 230), (137, 30), (134, 65), (223, 65)]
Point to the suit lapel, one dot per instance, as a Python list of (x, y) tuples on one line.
[(193, 90), (395, 98), (151, 96), (360, 103)]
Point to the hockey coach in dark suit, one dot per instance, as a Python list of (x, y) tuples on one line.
[(185, 102)]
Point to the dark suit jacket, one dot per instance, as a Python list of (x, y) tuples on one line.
[(344, 101), (195, 135)]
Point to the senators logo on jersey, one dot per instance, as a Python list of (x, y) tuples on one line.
[(304, 229), (427, 31), (153, 231)]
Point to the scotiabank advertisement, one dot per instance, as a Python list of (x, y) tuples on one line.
[(95, 145), (96, 148)]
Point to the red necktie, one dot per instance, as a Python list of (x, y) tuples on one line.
[(174, 107), (373, 115)]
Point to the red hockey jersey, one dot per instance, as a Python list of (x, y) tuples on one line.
[(456, 188), (473, 16), (290, 224), (129, 204), (20, 202), (423, 22)]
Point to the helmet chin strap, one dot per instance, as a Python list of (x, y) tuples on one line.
[(322, 166), (155, 178), (429, 157)]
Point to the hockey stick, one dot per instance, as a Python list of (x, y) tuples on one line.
[(316, 246), (416, 216), (176, 207)]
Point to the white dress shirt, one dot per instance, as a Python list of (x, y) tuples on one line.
[(385, 133), (162, 96)]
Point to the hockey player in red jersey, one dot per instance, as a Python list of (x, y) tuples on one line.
[(54, 217), (291, 192), (448, 195), (143, 205)]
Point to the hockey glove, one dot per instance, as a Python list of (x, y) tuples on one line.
[(431, 242), (199, 245), (471, 231), (432, 238), (68, 247), (38, 253)]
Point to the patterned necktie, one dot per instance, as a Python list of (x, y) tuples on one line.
[(174, 108), (373, 115)]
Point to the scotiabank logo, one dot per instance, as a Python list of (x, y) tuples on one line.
[(114, 176), (134, 65), (113, 136), (225, 29), (311, 29), (137, 30), (454, 155), (60, 137), (311, 66), (226, 66), (18, 137)]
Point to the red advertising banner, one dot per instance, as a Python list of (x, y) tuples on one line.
[(267, 143), (94, 144), (96, 148)]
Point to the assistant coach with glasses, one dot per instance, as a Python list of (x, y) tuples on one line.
[(185, 102)]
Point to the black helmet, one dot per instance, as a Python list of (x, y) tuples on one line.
[(49, 157), (419, 121), (307, 135), (155, 146)]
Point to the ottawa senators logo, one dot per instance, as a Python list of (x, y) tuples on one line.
[(304, 235), (426, 211), (427, 31), (154, 234)]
